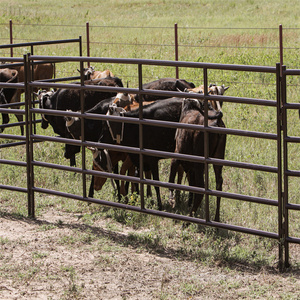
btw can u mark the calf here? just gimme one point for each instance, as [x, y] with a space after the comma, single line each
[91, 74]
[165, 84]
[7, 94]
[213, 89]
[191, 142]
[64, 99]
[40, 72]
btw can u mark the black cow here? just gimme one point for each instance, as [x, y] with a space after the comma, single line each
[191, 142]
[7, 94]
[165, 84]
[92, 131]
[154, 137]
[69, 99]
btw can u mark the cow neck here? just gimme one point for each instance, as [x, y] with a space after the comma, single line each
[117, 111]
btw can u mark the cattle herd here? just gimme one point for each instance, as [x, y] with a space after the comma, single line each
[176, 109]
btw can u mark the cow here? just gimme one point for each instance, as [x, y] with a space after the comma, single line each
[7, 94]
[91, 74]
[64, 99]
[154, 137]
[40, 72]
[124, 101]
[213, 89]
[191, 142]
[165, 84]
[92, 130]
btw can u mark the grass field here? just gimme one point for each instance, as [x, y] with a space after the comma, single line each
[229, 32]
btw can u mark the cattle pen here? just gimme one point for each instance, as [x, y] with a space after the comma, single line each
[281, 170]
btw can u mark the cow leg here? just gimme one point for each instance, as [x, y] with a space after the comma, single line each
[5, 120]
[219, 184]
[117, 182]
[91, 190]
[148, 176]
[180, 173]
[219, 153]
[72, 161]
[17, 98]
[20, 119]
[126, 166]
[155, 175]
[197, 180]
[173, 170]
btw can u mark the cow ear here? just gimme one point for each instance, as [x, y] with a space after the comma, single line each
[93, 149]
[225, 88]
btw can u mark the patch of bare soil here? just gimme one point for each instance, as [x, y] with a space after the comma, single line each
[59, 257]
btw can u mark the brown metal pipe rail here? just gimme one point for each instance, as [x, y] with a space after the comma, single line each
[160, 213]
[18, 45]
[142, 151]
[171, 63]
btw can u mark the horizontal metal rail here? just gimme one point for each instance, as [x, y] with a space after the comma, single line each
[13, 188]
[171, 63]
[18, 45]
[160, 213]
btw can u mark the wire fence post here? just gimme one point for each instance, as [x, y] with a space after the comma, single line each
[88, 40]
[176, 48]
[280, 49]
[11, 38]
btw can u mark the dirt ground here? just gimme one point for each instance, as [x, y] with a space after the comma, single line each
[57, 256]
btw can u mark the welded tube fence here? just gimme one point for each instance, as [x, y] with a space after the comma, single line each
[281, 170]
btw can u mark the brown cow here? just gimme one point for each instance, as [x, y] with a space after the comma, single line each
[191, 142]
[7, 94]
[91, 74]
[40, 72]
[213, 89]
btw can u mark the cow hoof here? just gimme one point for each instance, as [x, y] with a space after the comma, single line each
[185, 225]
[172, 202]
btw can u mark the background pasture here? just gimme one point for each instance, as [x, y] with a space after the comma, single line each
[230, 32]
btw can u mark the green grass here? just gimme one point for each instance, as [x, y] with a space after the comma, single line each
[234, 32]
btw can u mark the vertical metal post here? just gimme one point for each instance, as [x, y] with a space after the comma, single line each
[80, 45]
[285, 169]
[206, 145]
[279, 166]
[32, 78]
[141, 142]
[176, 49]
[88, 40]
[11, 38]
[83, 153]
[280, 49]
[29, 142]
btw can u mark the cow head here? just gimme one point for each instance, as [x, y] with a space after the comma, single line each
[87, 72]
[44, 98]
[196, 104]
[217, 89]
[123, 99]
